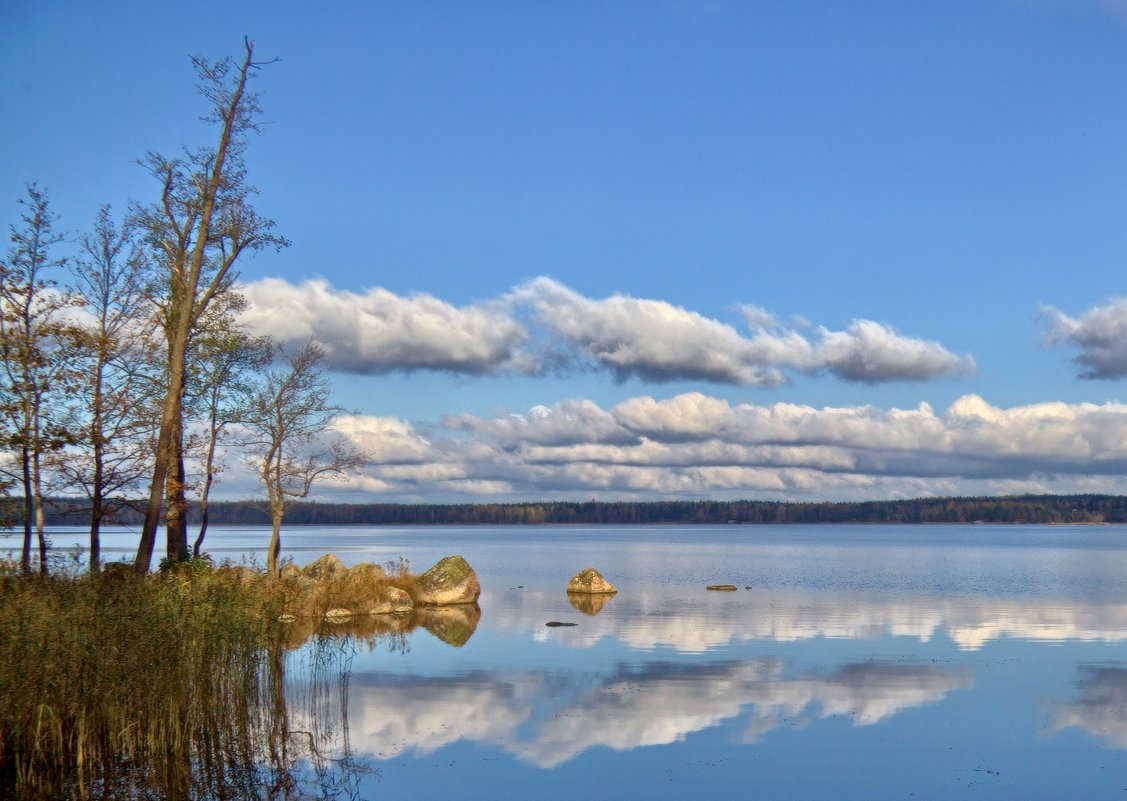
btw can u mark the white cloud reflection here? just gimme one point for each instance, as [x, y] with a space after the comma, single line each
[658, 705]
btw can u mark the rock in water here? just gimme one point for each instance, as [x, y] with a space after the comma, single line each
[591, 581]
[392, 600]
[450, 581]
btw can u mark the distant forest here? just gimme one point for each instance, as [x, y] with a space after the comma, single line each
[1010, 509]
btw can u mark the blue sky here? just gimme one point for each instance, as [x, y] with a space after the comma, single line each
[944, 172]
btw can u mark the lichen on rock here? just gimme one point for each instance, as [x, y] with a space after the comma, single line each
[327, 567]
[589, 580]
[450, 581]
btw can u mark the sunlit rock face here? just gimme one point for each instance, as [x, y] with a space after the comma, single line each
[391, 600]
[326, 568]
[450, 581]
[590, 581]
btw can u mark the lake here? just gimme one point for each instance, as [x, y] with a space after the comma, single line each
[876, 662]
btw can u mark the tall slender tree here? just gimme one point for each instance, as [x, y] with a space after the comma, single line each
[115, 410]
[224, 359]
[37, 351]
[197, 231]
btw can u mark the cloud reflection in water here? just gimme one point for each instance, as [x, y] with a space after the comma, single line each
[547, 720]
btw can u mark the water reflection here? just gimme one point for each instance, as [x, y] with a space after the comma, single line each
[589, 603]
[453, 625]
[692, 624]
[1101, 709]
[547, 719]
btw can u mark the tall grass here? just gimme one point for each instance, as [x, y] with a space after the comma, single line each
[131, 686]
[172, 685]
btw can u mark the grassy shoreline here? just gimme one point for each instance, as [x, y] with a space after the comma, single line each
[166, 685]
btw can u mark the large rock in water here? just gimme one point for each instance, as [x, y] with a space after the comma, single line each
[590, 580]
[450, 581]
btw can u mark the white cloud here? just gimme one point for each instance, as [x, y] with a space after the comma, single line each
[1099, 335]
[378, 331]
[543, 326]
[694, 445]
[656, 340]
[871, 353]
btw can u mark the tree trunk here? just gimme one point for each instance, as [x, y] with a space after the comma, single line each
[40, 522]
[273, 555]
[97, 501]
[176, 516]
[209, 478]
[96, 543]
[25, 556]
[172, 412]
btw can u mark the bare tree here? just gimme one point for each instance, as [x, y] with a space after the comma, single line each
[223, 357]
[201, 225]
[290, 430]
[116, 409]
[37, 351]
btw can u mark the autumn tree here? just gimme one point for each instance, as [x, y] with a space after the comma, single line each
[115, 408]
[224, 360]
[290, 432]
[197, 230]
[37, 351]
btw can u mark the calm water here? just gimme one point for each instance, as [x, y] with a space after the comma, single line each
[863, 662]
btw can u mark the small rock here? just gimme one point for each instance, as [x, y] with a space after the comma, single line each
[286, 617]
[590, 580]
[557, 624]
[392, 600]
[290, 572]
[722, 587]
[337, 615]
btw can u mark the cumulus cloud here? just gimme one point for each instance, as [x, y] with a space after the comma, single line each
[1099, 336]
[656, 340]
[871, 353]
[377, 331]
[695, 445]
[543, 326]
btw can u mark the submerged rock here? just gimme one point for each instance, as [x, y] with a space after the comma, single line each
[722, 587]
[591, 582]
[327, 567]
[450, 581]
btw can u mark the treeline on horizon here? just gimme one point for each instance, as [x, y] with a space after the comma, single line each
[1090, 509]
